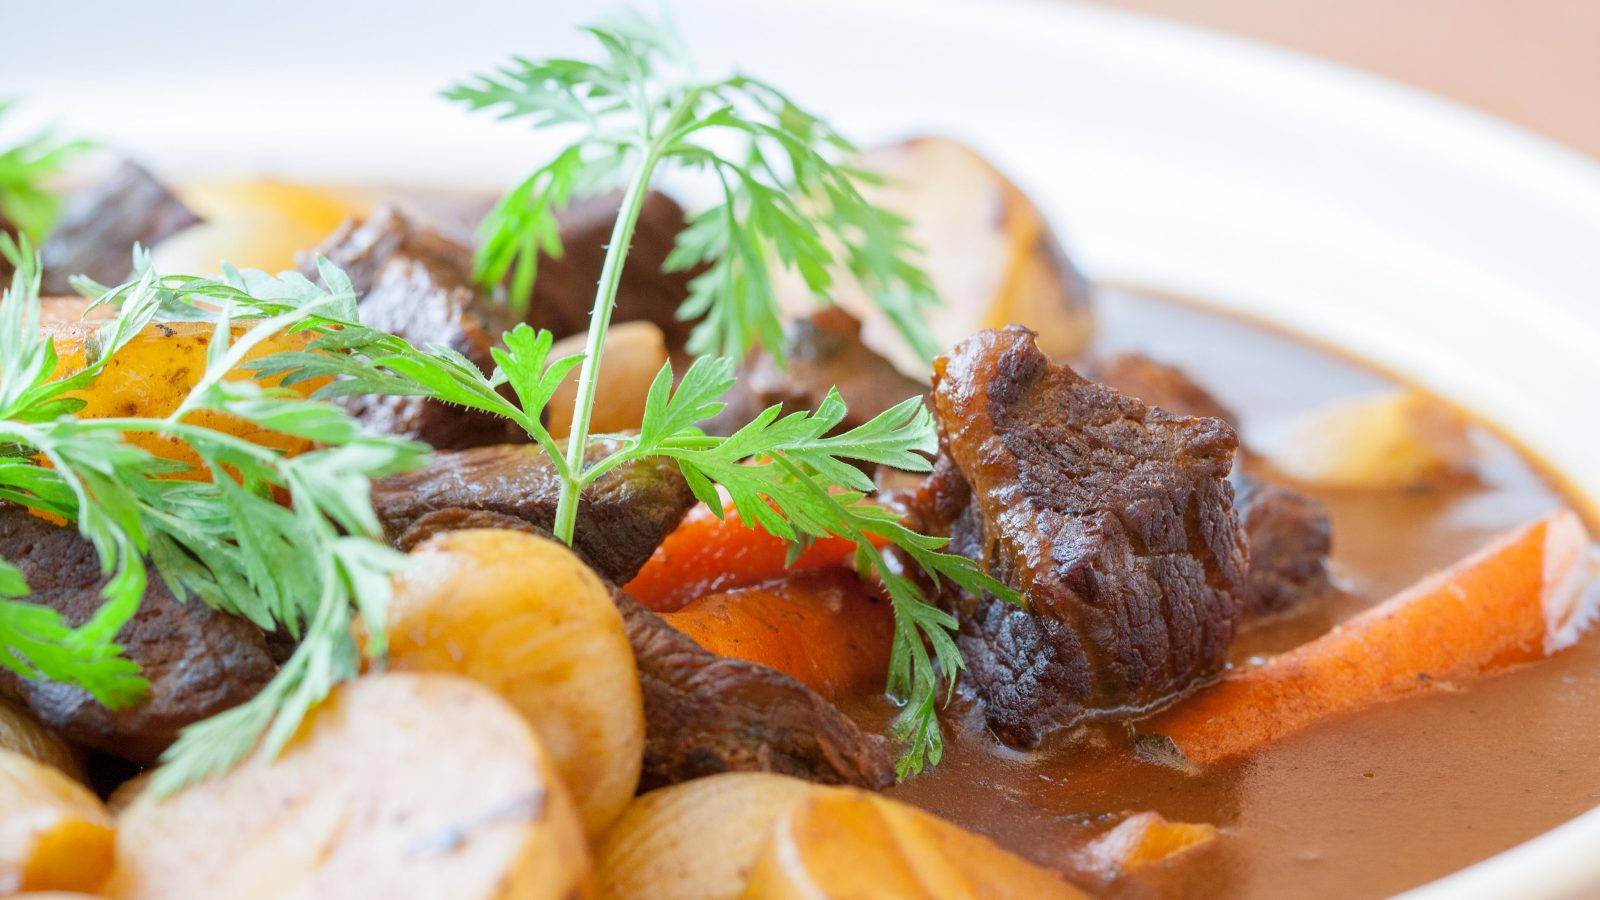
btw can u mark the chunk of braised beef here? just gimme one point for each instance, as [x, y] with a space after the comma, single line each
[1112, 518]
[198, 661]
[100, 224]
[706, 714]
[563, 294]
[1289, 533]
[622, 516]
[364, 246]
[1290, 537]
[1158, 384]
[417, 284]
[822, 351]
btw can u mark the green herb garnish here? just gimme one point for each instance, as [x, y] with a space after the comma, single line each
[303, 567]
[786, 199]
[785, 202]
[26, 200]
[306, 566]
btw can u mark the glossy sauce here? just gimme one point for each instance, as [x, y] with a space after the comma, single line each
[1366, 805]
[1363, 806]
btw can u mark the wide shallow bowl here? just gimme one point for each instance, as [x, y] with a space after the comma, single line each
[1435, 242]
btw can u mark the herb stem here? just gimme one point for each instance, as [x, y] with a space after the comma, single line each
[605, 301]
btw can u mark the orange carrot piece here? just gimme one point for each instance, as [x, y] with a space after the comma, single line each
[1519, 599]
[706, 554]
[824, 627]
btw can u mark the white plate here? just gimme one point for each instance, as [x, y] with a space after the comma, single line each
[1439, 243]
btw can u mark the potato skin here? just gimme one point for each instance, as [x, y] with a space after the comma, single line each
[694, 840]
[1395, 439]
[254, 223]
[397, 785]
[54, 834]
[152, 373]
[989, 250]
[523, 616]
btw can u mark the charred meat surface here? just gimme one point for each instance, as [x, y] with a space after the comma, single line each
[622, 516]
[822, 351]
[417, 284]
[1112, 518]
[1158, 384]
[198, 661]
[563, 294]
[100, 225]
[1289, 533]
[1290, 537]
[706, 714]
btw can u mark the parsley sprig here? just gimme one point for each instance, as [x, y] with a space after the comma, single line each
[305, 566]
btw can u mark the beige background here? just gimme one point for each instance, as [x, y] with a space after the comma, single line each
[1534, 62]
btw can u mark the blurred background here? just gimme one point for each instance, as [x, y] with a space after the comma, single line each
[1534, 62]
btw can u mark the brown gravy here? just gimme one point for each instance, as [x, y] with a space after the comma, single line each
[1363, 806]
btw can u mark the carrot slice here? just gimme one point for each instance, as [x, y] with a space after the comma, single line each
[706, 554]
[824, 627]
[1519, 599]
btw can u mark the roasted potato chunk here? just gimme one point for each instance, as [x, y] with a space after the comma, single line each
[256, 224]
[522, 615]
[151, 375]
[992, 256]
[841, 842]
[398, 785]
[54, 834]
[634, 353]
[693, 840]
[1399, 438]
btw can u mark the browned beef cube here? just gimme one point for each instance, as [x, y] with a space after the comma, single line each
[1290, 538]
[563, 294]
[1289, 533]
[198, 661]
[1158, 384]
[822, 351]
[100, 224]
[417, 284]
[706, 714]
[622, 516]
[1112, 518]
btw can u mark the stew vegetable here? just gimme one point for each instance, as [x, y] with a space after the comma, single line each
[836, 538]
